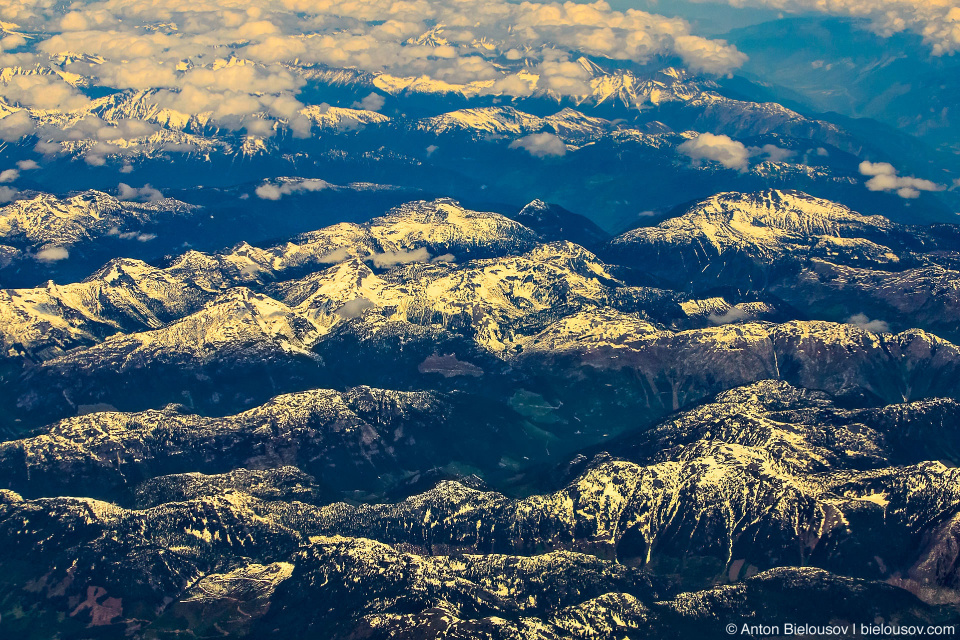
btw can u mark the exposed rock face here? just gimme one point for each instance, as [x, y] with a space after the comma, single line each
[816, 255]
[46, 221]
[445, 423]
[360, 439]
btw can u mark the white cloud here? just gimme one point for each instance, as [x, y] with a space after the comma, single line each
[41, 92]
[16, 125]
[875, 326]
[12, 41]
[337, 255]
[27, 165]
[772, 152]
[709, 56]
[270, 191]
[373, 102]
[146, 193]
[9, 175]
[731, 153]
[131, 235]
[938, 21]
[885, 178]
[389, 259]
[52, 254]
[7, 194]
[354, 308]
[540, 145]
[732, 315]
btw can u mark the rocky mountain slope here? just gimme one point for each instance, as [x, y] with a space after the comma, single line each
[44, 222]
[453, 423]
[811, 253]
[754, 481]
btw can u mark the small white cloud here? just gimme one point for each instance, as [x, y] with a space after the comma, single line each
[884, 177]
[94, 160]
[127, 168]
[874, 326]
[7, 194]
[9, 175]
[773, 153]
[733, 314]
[354, 308]
[27, 165]
[48, 147]
[431, 150]
[877, 169]
[270, 191]
[731, 153]
[540, 145]
[373, 102]
[708, 56]
[445, 258]
[337, 255]
[393, 258]
[145, 193]
[52, 254]
[132, 235]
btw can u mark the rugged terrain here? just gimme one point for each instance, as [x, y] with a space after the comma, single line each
[453, 423]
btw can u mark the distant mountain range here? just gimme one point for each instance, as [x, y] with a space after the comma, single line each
[613, 153]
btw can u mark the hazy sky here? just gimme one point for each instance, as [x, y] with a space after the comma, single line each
[706, 18]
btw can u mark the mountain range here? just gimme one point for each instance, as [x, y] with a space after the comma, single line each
[265, 428]
[284, 354]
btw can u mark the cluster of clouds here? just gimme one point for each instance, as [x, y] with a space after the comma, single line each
[884, 177]
[101, 137]
[239, 62]
[938, 21]
[8, 194]
[730, 153]
[733, 154]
